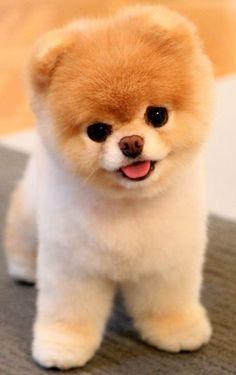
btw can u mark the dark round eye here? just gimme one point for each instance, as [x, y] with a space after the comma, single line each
[156, 116]
[99, 132]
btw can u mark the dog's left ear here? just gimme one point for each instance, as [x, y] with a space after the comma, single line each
[46, 56]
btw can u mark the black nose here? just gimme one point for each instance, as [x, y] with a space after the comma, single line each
[131, 146]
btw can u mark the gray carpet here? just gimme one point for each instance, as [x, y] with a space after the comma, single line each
[122, 352]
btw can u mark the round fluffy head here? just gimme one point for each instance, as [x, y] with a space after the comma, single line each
[125, 101]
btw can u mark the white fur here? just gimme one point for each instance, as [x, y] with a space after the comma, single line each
[154, 247]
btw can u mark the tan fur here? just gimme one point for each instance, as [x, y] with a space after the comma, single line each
[145, 63]
[80, 328]
[47, 55]
[171, 325]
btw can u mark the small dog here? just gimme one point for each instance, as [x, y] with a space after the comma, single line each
[114, 193]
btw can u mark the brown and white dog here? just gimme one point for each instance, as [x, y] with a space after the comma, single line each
[114, 193]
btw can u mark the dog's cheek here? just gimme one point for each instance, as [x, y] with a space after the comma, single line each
[154, 147]
[80, 154]
[81, 157]
[186, 133]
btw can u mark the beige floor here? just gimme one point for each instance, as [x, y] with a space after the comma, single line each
[22, 21]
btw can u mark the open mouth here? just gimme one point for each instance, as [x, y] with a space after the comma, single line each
[138, 171]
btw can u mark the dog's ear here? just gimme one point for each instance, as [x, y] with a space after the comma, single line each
[163, 24]
[46, 56]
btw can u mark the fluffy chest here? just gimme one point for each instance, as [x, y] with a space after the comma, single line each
[117, 241]
[119, 238]
[121, 227]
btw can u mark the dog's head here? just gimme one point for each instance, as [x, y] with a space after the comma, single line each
[125, 101]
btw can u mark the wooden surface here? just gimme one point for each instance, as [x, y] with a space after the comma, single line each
[22, 21]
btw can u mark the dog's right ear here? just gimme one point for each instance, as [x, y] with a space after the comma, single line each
[46, 56]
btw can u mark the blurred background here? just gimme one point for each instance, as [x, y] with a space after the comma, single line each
[23, 21]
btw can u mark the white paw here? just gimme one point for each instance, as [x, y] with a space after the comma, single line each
[175, 332]
[61, 347]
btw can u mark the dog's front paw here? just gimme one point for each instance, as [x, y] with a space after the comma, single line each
[173, 332]
[64, 346]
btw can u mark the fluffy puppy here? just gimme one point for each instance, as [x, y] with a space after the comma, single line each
[115, 190]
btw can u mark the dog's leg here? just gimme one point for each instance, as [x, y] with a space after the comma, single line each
[20, 233]
[72, 312]
[167, 311]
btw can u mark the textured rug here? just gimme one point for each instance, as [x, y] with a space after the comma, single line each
[122, 352]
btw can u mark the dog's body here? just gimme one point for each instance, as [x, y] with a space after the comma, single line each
[99, 219]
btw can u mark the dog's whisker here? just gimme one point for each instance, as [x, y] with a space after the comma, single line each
[90, 177]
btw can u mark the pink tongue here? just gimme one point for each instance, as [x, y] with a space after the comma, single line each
[137, 170]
